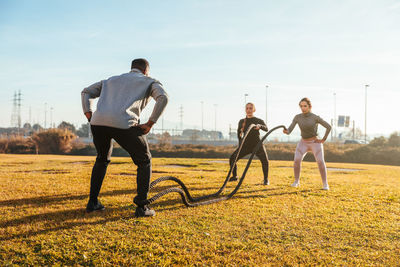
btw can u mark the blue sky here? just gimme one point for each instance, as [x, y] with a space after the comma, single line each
[211, 51]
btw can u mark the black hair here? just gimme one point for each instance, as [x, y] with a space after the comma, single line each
[140, 63]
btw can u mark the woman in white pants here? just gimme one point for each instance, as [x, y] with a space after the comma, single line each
[308, 123]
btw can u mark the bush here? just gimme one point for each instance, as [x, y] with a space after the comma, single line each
[394, 139]
[17, 145]
[378, 141]
[81, 149]
[53, 141]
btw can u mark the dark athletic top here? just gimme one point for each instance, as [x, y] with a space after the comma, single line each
[254, 135]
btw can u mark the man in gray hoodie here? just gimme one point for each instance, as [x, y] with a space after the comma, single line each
[121, 100]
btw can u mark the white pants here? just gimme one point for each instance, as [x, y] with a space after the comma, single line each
[318, 150]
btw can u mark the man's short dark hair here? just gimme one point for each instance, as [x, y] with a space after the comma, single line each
[140, 63]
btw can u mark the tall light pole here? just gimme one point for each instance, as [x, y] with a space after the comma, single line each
[266, 104]
[202, 115]
[334, 116]
[215, 121]
[30, 116]
[365, 129]
[51, 117]
[245, 98]
[45, 115]
[181, 116]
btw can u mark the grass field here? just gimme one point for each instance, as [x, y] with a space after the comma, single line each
[42, 218]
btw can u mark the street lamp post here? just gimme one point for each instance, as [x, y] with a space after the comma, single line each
[334, 116]
[245, 98]
[266, 104]
[202, 117]
[215, 121]
[51, 117]
[365, 123]
[45, 115]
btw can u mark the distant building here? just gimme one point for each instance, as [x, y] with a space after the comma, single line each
[193, 134]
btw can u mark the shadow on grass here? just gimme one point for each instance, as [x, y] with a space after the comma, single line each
[166, 204]
[245, 194]
[44, 200]
[67, 219]
[60, 218]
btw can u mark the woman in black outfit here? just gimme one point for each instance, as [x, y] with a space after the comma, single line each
[251, 141]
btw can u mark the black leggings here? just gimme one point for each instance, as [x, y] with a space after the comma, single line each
[246, 150]
[134, 143]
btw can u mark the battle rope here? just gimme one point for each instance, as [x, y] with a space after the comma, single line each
[190, 201]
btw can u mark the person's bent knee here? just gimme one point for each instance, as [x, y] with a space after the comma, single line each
[102, 161]
[143, 162]
[297, 161]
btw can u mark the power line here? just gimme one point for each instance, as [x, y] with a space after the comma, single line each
[16, 112]
[19, 109]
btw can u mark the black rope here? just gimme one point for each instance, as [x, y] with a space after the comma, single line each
[190, 201]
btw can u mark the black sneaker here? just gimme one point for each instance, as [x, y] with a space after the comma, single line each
[233, 178]
[94, 206]
[144, 211]
[266, 182]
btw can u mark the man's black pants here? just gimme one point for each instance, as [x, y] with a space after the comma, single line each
[246, 150]
[135, 143]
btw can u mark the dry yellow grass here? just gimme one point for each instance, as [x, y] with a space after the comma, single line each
[42, 219]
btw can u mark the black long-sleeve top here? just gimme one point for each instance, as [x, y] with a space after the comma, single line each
[254, 135]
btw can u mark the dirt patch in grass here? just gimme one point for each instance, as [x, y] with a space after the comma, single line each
[343, 169]
[16, 164]
[127, 173]
[219, 161]
[202, 170]
[166, 172]
[79, 162]
[178, 166]
[119, 162]
[45, 171]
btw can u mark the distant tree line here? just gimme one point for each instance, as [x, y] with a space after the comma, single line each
[63, 140]
[28, 129]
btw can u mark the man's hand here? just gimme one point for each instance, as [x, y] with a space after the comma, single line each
[285, 131]
[258, 127]
[88, 115]
[146, 127]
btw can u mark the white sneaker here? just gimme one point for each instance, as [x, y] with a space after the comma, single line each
[295, 184]
[325, 187]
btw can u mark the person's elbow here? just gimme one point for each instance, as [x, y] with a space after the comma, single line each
[164, 99]
[84, 96]
[86, 93]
